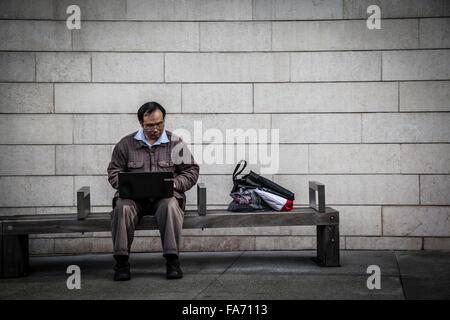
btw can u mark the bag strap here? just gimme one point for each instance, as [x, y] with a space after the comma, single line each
[235, 173]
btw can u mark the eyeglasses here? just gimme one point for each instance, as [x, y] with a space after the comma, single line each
[158, 125]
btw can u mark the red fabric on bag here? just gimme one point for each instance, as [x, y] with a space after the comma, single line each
[288, 206]
[275, 201]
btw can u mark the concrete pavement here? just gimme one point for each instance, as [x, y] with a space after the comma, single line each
[271, 275]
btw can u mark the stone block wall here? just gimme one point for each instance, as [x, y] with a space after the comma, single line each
[364, 111]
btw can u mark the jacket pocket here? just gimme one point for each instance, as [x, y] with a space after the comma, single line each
[135, 165]
[166, 165]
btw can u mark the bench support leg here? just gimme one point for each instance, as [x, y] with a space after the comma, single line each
[328, 246]
[14, 256]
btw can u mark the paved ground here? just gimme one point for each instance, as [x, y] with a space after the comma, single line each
[240, 275]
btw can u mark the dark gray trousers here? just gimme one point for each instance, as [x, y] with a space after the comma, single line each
[126, 217]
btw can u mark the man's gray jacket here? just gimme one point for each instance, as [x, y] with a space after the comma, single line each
[135, 156]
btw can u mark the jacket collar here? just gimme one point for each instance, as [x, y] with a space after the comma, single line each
[140, 137]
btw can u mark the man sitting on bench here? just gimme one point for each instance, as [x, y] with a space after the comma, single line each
[150, 149]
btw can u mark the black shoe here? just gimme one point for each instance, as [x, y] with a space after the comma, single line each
[173, 270]
[122, 269]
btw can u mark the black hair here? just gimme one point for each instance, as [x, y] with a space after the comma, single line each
[149, 107]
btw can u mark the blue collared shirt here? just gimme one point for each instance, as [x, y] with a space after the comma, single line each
[162, 138]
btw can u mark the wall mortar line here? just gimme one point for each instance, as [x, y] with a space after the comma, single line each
[418, 33]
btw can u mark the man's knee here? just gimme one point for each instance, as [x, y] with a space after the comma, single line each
[171, 203]
[169, 206]
[125, 208]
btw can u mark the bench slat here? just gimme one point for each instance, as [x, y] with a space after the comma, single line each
[69, 216]
[261, 220]
[97, 222]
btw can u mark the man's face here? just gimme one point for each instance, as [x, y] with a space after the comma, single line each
[153, 125]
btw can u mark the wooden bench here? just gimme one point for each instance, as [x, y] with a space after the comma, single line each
[14, 230]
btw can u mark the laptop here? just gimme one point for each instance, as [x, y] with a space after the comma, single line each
[145, 185]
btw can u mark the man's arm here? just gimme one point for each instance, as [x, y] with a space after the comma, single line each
[118, 164]
[188, 171]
